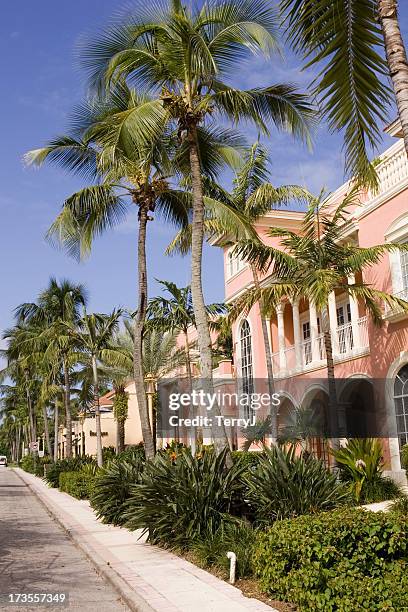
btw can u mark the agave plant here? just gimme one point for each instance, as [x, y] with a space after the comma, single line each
[285, 485]
[182, 498]
[112, 488]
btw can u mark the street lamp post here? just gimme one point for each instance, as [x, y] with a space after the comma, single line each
[150, 386]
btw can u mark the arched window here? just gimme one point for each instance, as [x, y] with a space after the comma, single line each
[401, 404]
[247, 373]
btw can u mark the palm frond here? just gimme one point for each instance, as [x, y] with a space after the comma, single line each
[343, 38]
[84, 216]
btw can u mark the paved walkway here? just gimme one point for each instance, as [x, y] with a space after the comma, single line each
[148, 577]
[36, 556]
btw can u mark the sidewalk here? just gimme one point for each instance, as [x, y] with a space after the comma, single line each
[148, 578]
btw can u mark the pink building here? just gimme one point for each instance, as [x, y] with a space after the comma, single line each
[378, 357]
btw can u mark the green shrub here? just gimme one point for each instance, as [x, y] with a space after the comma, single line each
[348, 559]
[234, 535]
[286, 485]
[78, 484]
[108, 453]
[380, 488]
[27, 463]
[181, 499]
[112, 488]
[400, 506]
[66, 465]
[131, 452]
[250, 459]
[404, 457]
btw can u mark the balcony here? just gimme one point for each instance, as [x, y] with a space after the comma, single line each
[392, 172]
[395, 313]
[349, 341]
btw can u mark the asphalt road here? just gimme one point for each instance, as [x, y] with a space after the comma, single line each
[36, 556]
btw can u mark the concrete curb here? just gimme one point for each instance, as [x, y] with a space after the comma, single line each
[133, 600]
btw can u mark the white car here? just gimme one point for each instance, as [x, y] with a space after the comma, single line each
[3, 460]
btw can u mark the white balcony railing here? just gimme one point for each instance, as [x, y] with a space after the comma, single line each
[396, 313]
[392, 169]
[350, 341]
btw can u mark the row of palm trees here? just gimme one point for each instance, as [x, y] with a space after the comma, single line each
[155, 117]
[60, 356]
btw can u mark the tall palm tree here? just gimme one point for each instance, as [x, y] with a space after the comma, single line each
[185, 53]
[130, 171]
[21, 369]
[60, 302]
[175, 313]
[315, 262]
[93, 336]
[230, 217]
[344, 39]
[160, 356]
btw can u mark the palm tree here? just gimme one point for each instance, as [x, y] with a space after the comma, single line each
[21, 369]
[231, 217]
[160, 356]
[314, 263]
[184, 54]
[60, 302]
[176, 314]
[343, 38]
[92, 336]
[103, 144]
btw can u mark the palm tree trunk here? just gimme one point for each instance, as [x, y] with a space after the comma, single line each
[18, 442]
[120, 424]
[268, 358]
[46, 430]
[31, 415]
[396, 58]
[67, 407]
[138, 340]
[200, 313]
[97, 413]
[56, 428]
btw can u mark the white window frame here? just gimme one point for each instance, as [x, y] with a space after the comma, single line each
[398, 232]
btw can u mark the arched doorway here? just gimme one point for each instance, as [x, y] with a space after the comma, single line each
[357, 402]
[401, 404]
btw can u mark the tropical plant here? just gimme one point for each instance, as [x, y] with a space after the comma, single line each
[301, 426]
[160, 355]
[286, 485]
[93, 337]
[257, 433]
[344, 38]
[113, 486]
[60, 302]
[313, 263]
[361, 462]
[175, 313]
[182, 498]
[185, 53]
[230, 217]
[129, 170]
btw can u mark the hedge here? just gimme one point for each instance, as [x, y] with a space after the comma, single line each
[74, 464]
[347, 560]
[77, 484]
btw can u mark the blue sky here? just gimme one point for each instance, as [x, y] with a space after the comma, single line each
[41, 82]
